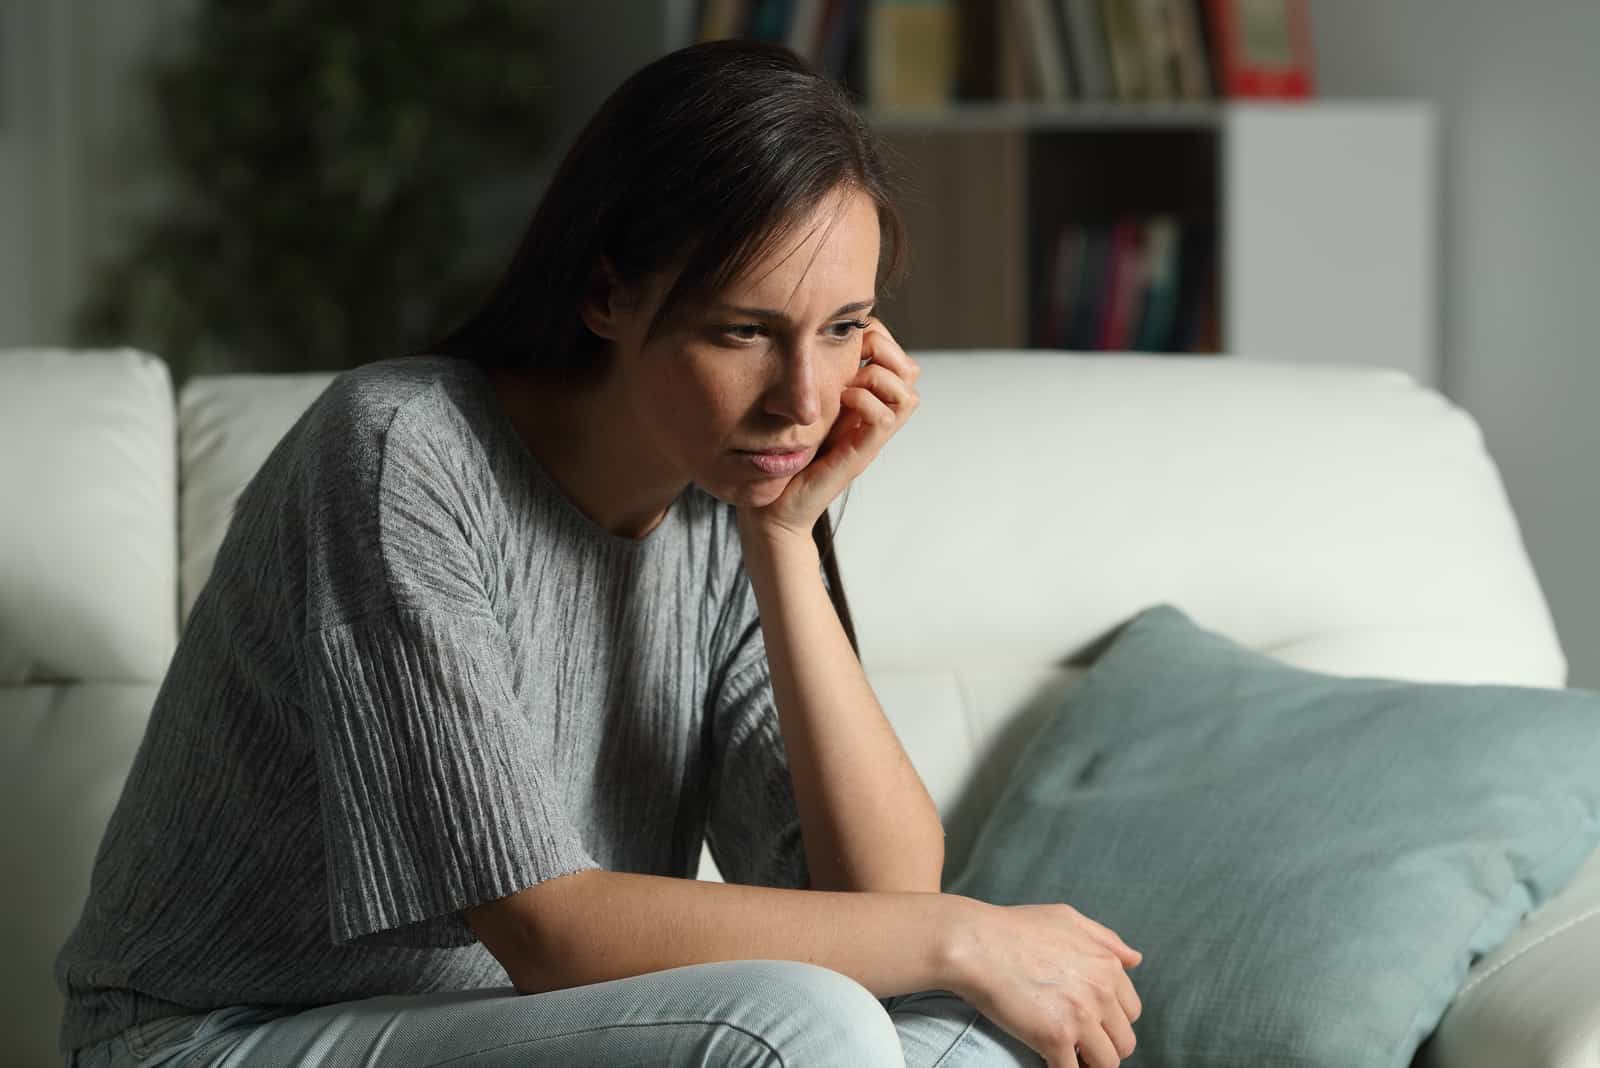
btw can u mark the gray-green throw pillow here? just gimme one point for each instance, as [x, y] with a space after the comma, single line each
[1309, 863]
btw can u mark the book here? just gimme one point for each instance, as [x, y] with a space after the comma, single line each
[1194, 329]
[1091, 60]
[805, 29]
[977, 51]
[1048, 60]
[1128, 68]
[1194, 68]
[1122, 292]
[1062, 292]
[1154, 332]
[911, 49]
[721, 18]
[1208, 41]
[1012, 63]
[767, 20]
[1262, 48]
[841, 30]
[1069, 63]
[1083, 334]
[1157, 48]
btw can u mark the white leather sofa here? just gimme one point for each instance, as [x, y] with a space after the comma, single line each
[1341, 518]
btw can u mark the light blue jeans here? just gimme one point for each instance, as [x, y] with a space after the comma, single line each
[747, 1013]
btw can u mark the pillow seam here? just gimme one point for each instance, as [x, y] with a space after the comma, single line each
[1582, 917]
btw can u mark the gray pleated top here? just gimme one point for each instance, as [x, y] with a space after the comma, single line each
[419, 678]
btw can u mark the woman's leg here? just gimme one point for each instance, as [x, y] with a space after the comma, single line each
[755, 1013]
[939, 1030]
[782, 1014]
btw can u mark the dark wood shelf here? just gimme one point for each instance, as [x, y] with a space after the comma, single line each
[985, 200]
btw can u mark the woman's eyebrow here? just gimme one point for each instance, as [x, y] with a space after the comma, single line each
[769, 313]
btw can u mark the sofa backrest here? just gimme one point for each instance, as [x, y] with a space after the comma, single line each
[1342, 518]
[88, 547]
[227, 424]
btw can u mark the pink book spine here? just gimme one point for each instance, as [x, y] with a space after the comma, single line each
[1115, 320]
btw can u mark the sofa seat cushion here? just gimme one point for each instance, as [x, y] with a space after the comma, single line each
[65, 752]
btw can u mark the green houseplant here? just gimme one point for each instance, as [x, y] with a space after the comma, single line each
[327, 161]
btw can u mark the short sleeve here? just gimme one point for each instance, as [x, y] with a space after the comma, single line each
[753, 823]
[434, 789]
[432, 792]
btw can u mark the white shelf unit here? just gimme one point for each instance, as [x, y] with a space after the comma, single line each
[1330, 217]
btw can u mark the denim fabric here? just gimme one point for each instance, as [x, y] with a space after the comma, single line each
[748, 1013]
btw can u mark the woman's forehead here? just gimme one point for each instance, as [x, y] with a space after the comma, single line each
[833, 251]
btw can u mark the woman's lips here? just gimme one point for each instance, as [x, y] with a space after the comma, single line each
[776, 463]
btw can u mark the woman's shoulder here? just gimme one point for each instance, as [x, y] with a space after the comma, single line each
[370, 419]
[376, 393]
[377, 431]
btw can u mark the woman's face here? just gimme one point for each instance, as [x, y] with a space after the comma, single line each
[764, 366]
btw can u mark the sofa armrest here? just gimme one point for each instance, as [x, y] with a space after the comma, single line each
[1535, 1001]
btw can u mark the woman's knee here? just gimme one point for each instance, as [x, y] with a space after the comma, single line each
[815, 1016]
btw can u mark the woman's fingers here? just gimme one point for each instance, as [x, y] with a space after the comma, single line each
[1095, 1049]
[1128, 998]
[1117, 1025]
[888, 387]
[880, 401]
[876, 416]
[882, 392]
[880, 347]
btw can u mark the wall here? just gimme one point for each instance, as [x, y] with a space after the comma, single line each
[1517, 87]
[600, 43]
[77, 148]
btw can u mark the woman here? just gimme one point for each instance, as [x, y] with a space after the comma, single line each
[501, 631]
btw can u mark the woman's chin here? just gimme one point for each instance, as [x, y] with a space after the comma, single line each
[756, 493]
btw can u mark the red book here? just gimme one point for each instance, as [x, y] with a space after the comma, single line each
[1262, 48]
[1123, 291]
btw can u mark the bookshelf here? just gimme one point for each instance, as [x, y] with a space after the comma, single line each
[1318, 216]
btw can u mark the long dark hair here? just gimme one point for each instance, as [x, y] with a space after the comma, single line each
[710, 156]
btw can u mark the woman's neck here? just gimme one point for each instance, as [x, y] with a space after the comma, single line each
[589, 456]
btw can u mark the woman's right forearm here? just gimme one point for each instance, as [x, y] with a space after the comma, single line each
[598, 925]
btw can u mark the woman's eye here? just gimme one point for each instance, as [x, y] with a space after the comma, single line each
[743, 331]
[840, 331]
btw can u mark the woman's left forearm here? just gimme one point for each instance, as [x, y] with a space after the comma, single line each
[866, 817]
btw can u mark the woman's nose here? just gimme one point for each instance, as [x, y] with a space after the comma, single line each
[795, 395]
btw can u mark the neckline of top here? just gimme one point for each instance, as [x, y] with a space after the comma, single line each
[491, 402]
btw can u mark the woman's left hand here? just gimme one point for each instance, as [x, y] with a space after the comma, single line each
[873, 406]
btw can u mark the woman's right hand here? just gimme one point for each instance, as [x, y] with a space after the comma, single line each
[1049, 975]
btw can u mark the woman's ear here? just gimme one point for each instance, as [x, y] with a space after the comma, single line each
[607, 304]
